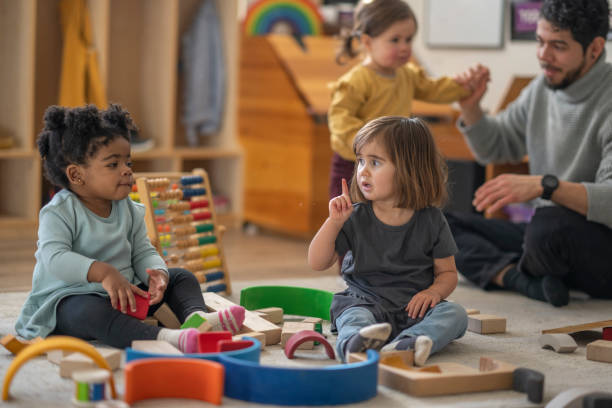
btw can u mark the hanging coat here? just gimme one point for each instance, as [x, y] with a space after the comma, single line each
[204, 74]
[80, 81]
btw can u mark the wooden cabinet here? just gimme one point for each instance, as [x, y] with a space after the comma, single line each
[283, 102]
[138, 44]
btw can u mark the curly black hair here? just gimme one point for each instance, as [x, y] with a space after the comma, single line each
[74, 135]
[585, 19]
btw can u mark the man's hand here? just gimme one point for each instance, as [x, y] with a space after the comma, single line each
[158, 282]
[340, 208]
[421, 302]
[506, 189]
[475, 80]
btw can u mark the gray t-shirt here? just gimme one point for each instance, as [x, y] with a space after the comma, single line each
[384, 265]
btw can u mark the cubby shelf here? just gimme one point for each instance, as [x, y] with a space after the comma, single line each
[138, 44]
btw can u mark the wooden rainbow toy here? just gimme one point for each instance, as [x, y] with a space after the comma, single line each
[301, 15]
[182, 225]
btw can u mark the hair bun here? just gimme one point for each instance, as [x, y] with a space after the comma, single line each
[83, 120]
[54, 118]
[118, 118]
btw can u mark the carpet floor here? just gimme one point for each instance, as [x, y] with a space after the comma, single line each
[38, 383]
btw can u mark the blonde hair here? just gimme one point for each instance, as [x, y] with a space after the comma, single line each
[420, 170]
[372, 17]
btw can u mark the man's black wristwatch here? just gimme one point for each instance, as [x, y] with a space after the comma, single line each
[549, 184]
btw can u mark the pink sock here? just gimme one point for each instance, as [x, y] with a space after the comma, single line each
[188, 341]
[229, 319]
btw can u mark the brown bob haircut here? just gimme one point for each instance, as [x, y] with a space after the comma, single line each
[372, 17]
[420, 170]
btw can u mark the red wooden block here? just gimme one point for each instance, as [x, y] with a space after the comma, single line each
[229, 345]
[142, 307]
[607, 333]
[207, 341]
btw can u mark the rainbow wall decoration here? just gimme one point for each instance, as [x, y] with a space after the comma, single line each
[301, 15]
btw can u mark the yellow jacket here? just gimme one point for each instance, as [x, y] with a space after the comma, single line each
[361, 95]
[80, 81]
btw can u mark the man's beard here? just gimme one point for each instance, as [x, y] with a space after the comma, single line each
[569, 78]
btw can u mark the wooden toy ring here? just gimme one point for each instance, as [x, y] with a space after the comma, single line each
[54, 343]
[307, 335]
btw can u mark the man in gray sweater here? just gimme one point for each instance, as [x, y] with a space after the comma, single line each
[563, 121]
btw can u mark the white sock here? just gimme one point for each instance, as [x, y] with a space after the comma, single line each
[186, 340]
[229, 319]
[422, 348]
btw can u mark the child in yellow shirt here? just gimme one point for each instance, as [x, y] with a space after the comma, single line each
[385, 83]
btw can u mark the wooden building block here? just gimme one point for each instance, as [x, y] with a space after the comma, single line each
[291, 328]
[55, 356]
[599, 350]
[606, 333]
[472, 311]
[271, 314]
[166, 316]
[444, 378]
[155, 346]
[486, 324]
[77, 361]
[252, 321]
[560, 342]
[259, 336]
[15, 345]
[151, 321]
[197, 322]
[579, 327]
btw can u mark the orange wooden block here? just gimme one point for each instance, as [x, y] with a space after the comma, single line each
[174, 378]
[14, 345]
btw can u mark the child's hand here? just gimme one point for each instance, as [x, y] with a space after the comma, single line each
[121, 291]
[421, 302]
[340, 208]
[474, 80]
[158, 282]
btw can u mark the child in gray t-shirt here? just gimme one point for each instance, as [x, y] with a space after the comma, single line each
[398, 251]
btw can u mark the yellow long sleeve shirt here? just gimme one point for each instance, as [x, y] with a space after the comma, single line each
[361, 95]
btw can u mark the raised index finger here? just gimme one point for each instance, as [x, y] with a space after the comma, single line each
[345, 190]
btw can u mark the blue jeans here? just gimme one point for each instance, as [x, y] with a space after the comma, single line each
[443, 323]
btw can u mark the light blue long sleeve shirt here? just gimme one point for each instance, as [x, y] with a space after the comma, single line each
[566, 132]
[70, 239]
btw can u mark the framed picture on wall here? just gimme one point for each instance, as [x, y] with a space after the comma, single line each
[464, 23]
[524, 19]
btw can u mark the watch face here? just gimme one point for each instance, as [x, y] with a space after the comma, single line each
[550, 182]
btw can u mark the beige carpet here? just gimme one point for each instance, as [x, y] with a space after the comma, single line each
[38, 383]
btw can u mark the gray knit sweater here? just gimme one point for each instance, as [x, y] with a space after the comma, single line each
[566, 132]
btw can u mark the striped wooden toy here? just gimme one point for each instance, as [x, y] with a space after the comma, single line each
[182, 225]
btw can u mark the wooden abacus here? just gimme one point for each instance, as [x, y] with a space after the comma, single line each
[182, 225]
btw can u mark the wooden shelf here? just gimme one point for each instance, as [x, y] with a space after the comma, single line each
[208, 152]
[138, 43]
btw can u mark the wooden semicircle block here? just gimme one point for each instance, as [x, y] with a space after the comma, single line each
[174, 378]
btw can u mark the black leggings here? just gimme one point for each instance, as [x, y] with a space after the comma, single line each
[91, 317]
[557, 242]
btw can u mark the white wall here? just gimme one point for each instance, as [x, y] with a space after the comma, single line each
[515, 58]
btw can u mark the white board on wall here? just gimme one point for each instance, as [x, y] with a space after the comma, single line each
[464, 23]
